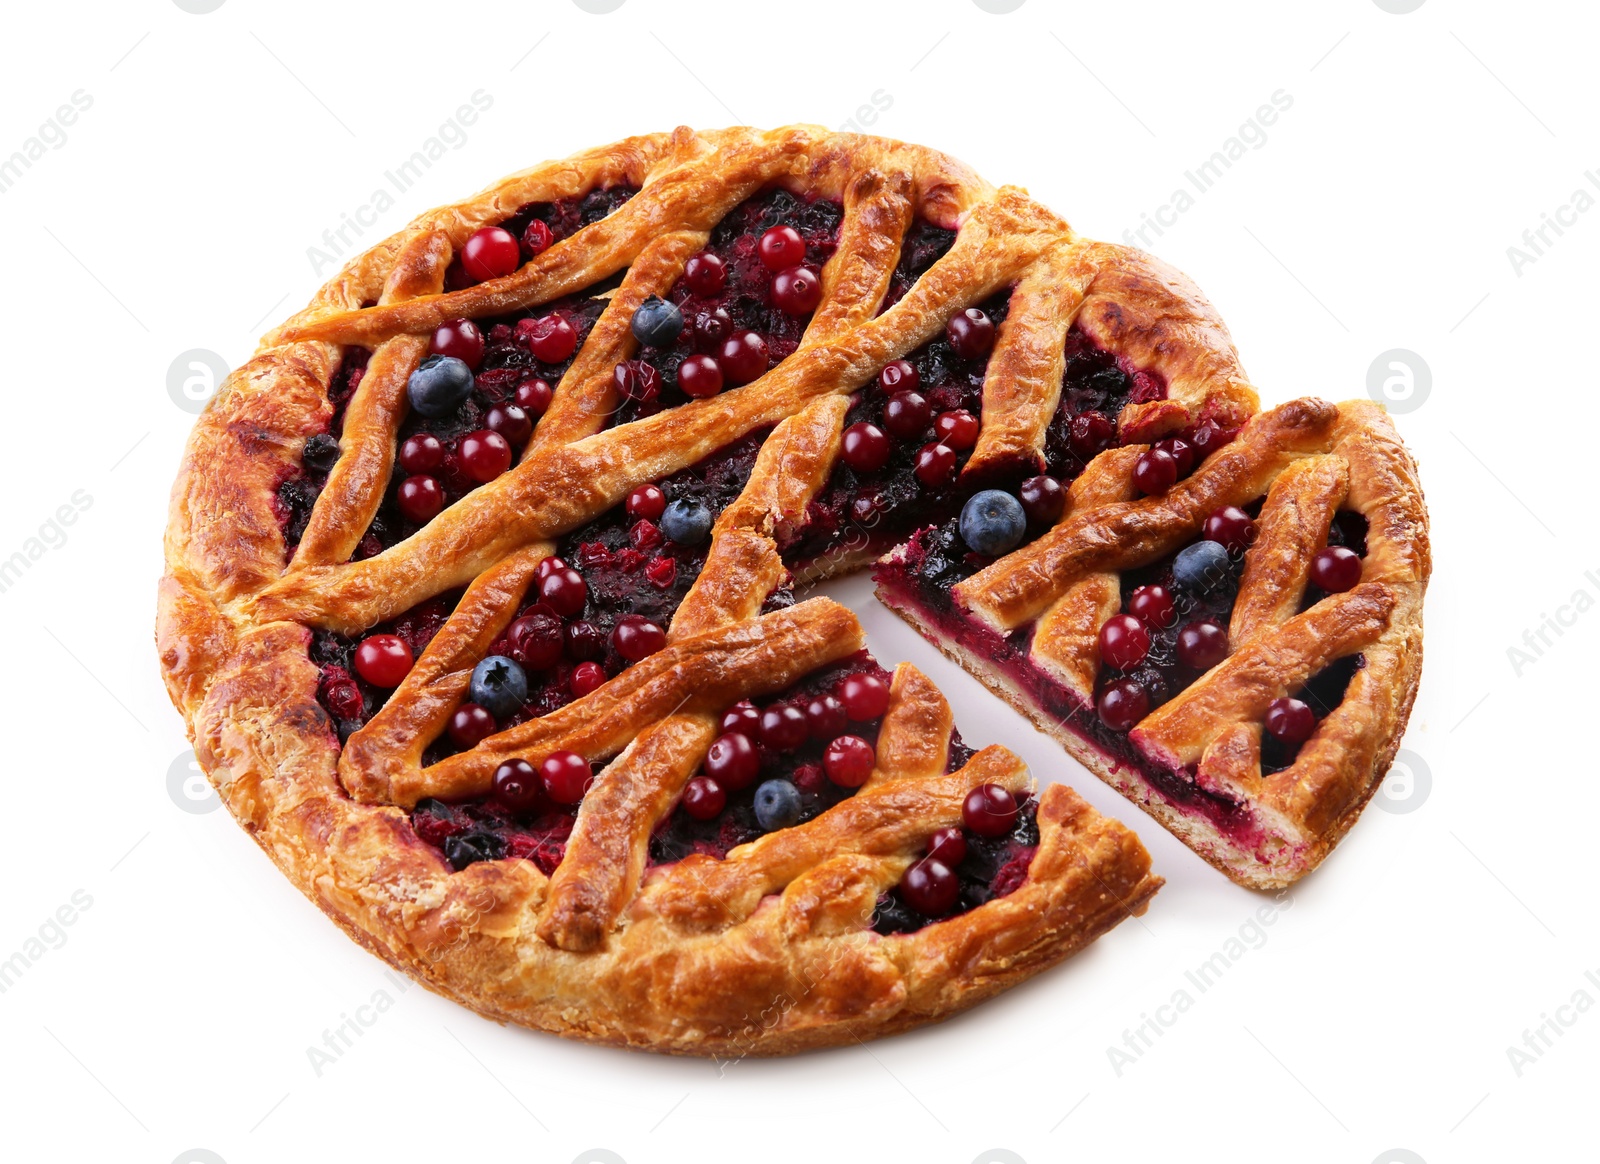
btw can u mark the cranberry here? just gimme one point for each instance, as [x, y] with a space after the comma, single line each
[1181, 451]
[421, 453]
[420, 499]
[645, 535]
[948, 845]
[343, 698]
[517, 787]
[1155, 472]
[1091, 433]
[511, 422]
[742, 357]
[930, 887]
[848, 761]
[865, 697]
[1124, 642]
[548, 566]
[383, 660]
[1232, 527]
[936, 465]
[906, 413]
[867, 509]
[825, 717]
[711, 328]
[484, 454]
[566, 776]
[1043, 500]
[647, 501]
[536, 638]
[1336, 569]
[865, 447]
[459, 338]
[550, 338]
[989, 810]
[1153, 606]
[534, 396]
[971, 334]
[1122, 704]
[491, 253]
[784, 727]
[585, 641]
[565, 591]
[636, 637]
[957, 429]
[1291, 720]
[1208, 437]
[796, 291]
[470, 725]
[703, 798]
[781, 247]
[700, 377]
[536, 239]
[1202, 645]
[586, 677]
[899, 376]
[732, 761]
[637, 380]
[743, 717]
[705, 274]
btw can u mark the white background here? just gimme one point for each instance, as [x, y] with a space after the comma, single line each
[1375, 1013]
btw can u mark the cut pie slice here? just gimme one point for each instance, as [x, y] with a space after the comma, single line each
[1235, 650]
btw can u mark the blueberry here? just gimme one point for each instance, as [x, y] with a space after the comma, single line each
[992, 523]
[473, 847]
[320, 453]
[1201, 567]
[657, 323]
[439, 386]
[499, 686]
[777, 805]
[686, 521]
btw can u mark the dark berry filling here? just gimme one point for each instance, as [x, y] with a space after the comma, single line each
[924, 244]
[344, 691]
[991, 867]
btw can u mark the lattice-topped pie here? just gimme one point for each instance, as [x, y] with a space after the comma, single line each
[481, 583]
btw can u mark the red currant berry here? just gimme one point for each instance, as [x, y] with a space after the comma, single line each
[1336, 569]
[1291, 720]
[420, 499]
[534, 396]
[848, 761]
[1153, 606]
[796, 291]
[957, 429]
[906, 413]
[1091, 433]
[781, 247]
[1043, 500]
[586, 677]
[971, 334]
[948, 845]
[742, 357]
[566, 776]
[470, 725]
[565, 591]
[1123, 704]
[989, 811]
[1232, 527]
[1202, 645]
[899, 376]
[536, 239]
[511, 422]
[1155, 472]
[703, 798]
[700, 377]
[784, 727]
[743, 717]
[636, 637]
[936, 465]
[705, 274]
[518, 788]
[536, 638]
[647, 502]
[865, 697]
[383, 660]
[825, 717]
[421, 453]
[550, 338]
[491, 253]
[1180, 451]
[1124, 642]
[484, 454]
[459, 338]
[930, 887]
[732, 761]
[865, 447]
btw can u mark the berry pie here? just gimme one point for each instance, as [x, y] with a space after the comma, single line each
[481, 590]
